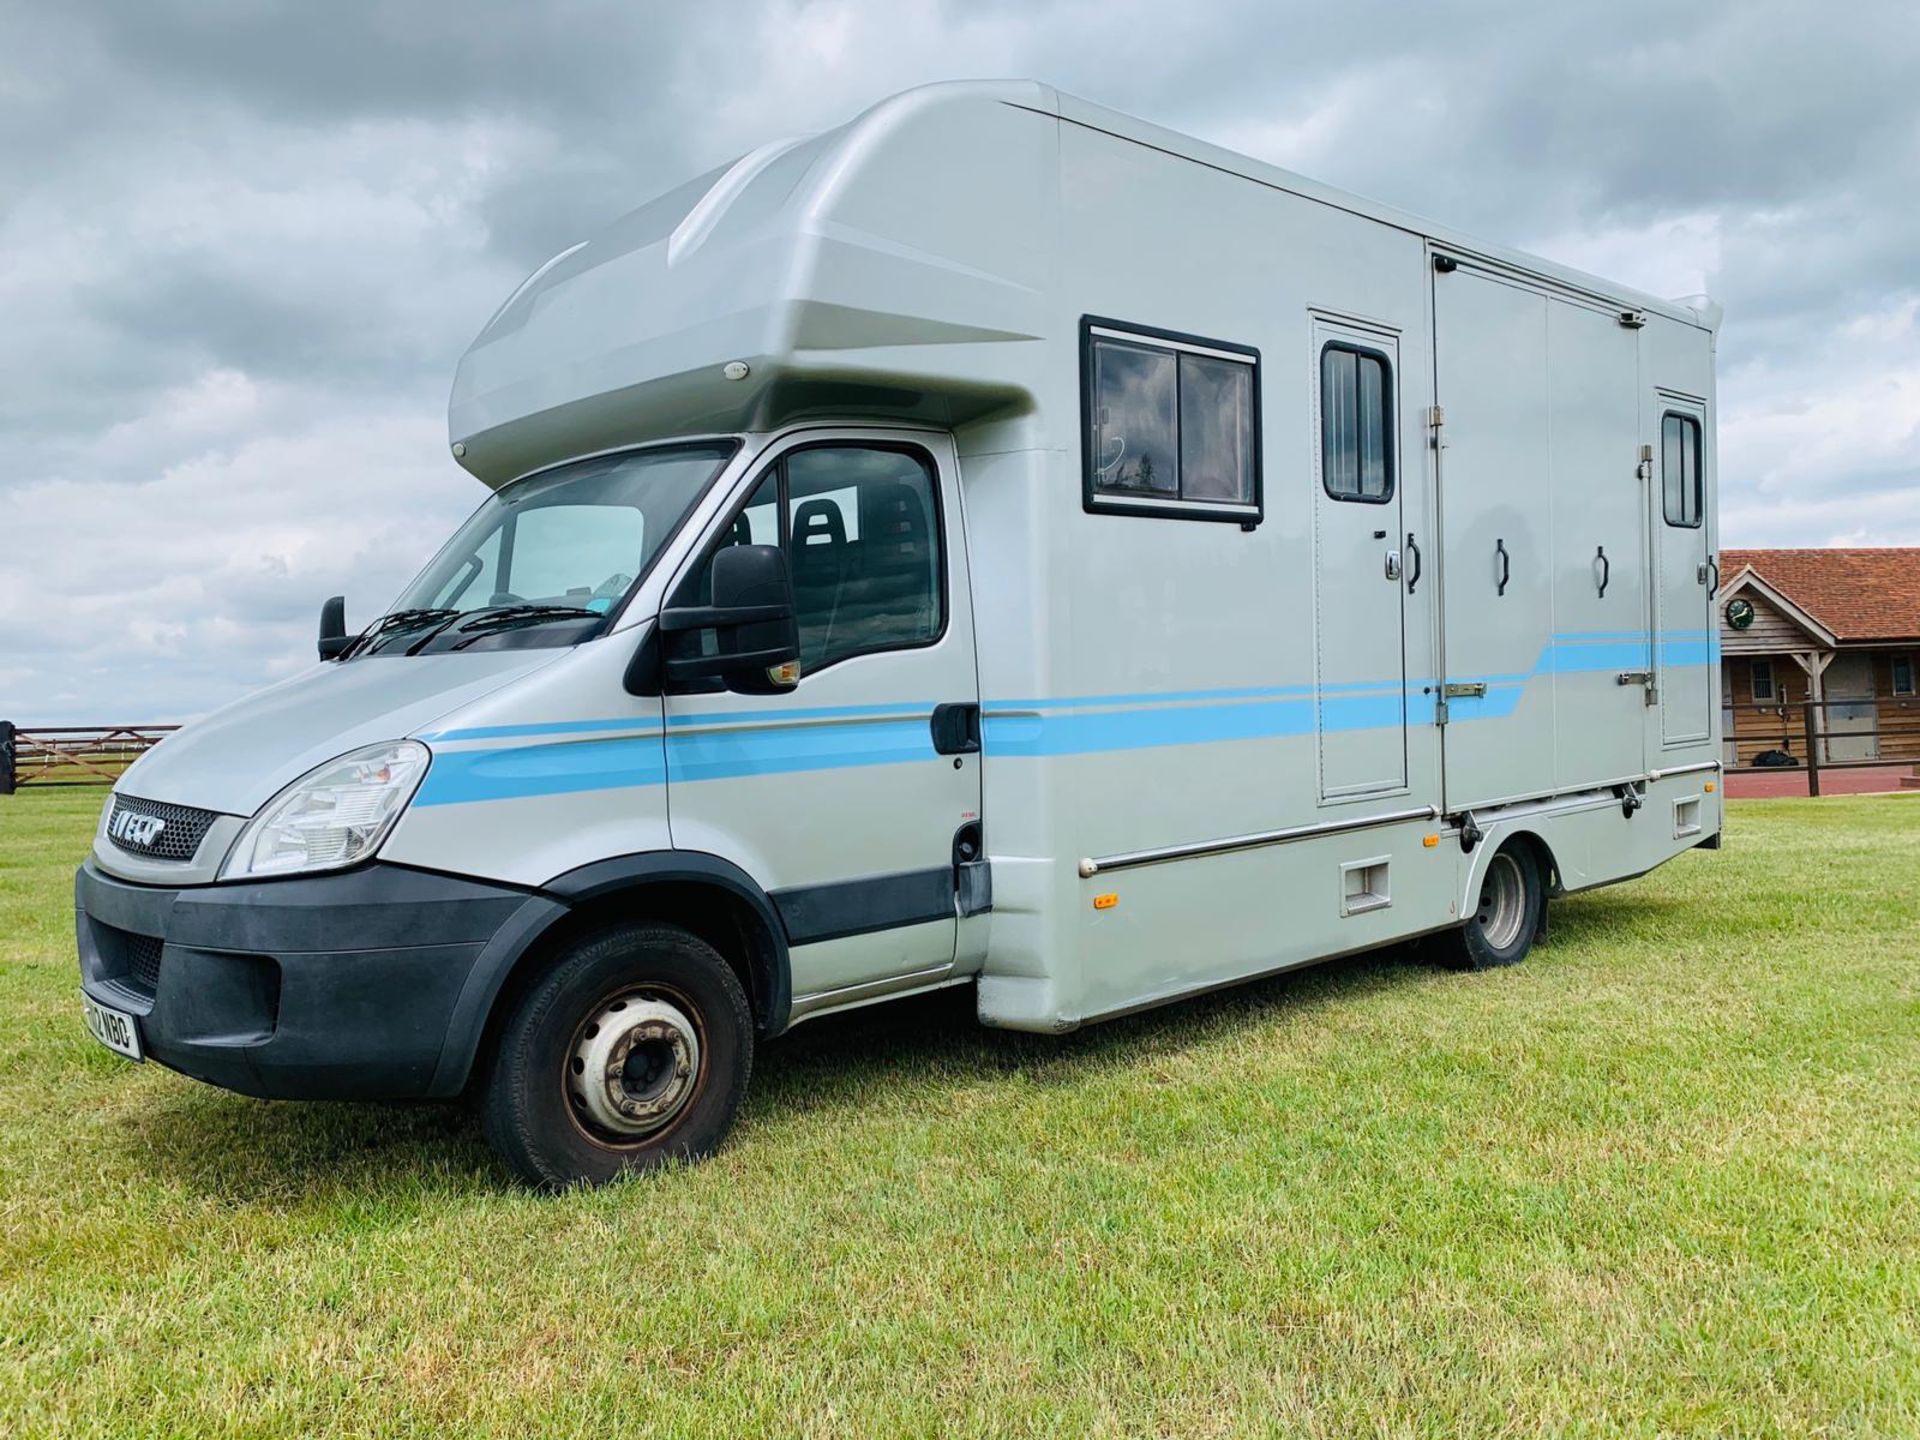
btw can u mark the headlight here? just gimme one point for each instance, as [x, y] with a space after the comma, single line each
[330, 817]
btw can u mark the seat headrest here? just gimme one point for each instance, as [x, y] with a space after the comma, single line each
[818, 523]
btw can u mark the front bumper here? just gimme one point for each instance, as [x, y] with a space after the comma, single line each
[368, 984]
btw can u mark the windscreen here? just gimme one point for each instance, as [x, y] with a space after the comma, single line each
[555, 553]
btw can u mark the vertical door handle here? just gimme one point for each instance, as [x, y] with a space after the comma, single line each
[956, 728]
[1506, 566]
[1606, 569]
[1413, 553]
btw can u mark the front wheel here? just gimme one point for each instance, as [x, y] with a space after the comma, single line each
[633, 1050]
[1513, 898]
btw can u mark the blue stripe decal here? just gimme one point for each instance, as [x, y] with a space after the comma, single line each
[738, 744]
[458, 777]
[731, 754]
[644, 725]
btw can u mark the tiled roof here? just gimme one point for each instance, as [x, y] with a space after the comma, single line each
[1856, 594]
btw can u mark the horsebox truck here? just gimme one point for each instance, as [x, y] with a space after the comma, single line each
[995, 543]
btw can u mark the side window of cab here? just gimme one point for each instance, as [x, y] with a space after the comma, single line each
[860, 525]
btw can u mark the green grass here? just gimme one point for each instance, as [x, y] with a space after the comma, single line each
[1663, 1178]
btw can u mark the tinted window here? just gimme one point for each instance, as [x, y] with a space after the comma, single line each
[1356, 424]
[1136, 434]
[1172, 426]
[861, 528]
[1681, 487]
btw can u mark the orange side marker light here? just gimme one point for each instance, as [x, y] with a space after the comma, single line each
[1105, 902]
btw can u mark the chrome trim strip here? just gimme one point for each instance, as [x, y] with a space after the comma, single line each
[1128, 860]
[804, 1005]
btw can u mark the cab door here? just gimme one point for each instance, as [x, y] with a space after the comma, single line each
[852, 797]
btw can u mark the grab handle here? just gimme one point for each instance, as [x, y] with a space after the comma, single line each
[1413, 551]
[1606, 569]
[1506, 566]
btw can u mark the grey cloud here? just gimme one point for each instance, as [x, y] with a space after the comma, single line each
[245, 242]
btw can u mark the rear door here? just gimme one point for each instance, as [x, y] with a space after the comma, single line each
[1359, 628]
[1490, 378]
[835, 796]
[1602, 611]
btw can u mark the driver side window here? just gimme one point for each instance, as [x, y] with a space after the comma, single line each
[861, 528]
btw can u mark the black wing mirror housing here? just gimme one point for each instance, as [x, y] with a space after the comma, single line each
[757, 649]
[333, 628]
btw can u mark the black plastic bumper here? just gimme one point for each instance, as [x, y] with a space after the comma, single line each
[369, 984]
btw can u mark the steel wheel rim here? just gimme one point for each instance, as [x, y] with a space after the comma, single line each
[636, 1064]
[1503, 902]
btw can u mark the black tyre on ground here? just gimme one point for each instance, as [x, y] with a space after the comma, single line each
[1513, 900]
[632, 1050]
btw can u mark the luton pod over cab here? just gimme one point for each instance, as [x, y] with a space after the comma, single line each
[994, 543]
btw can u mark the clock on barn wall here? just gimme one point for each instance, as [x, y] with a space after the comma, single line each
[1740, 613]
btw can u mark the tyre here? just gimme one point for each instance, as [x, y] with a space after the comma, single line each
[1513, 899]
[633, 1050]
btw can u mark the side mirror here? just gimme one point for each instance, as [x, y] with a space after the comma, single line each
[333, 628]
[752, 617]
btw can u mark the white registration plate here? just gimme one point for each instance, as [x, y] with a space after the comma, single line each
[114, 1029]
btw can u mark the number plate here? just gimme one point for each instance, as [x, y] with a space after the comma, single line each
[114, 1029]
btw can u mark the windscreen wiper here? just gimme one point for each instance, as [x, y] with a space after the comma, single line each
[399, 620]
[509, 617]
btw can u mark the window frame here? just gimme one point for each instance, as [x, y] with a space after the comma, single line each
[1893, 675]
[1772, 697]
[1390, 450]
[1686, 418]
[784, 506]
[1095, 501]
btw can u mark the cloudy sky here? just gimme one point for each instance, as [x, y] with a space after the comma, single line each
[242, 244]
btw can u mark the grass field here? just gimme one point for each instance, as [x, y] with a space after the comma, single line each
[1662, 1179]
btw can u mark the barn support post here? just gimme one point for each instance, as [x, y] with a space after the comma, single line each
[1809, 710]
[6, 757]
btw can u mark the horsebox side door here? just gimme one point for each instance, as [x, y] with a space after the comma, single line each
[1359, 555]
[1683, 572]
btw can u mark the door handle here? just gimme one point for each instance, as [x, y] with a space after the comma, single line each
[1413, 552]
[956, 728]
[1393, 564]
[1710, 565]
[1606, 569]
[1506, 566]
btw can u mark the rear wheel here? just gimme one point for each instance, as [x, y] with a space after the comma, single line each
[1513, 897]
[633, 1050]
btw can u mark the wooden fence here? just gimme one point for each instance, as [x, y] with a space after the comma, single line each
[72, 754]
[1807, 737]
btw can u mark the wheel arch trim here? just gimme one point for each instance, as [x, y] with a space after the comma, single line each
[564, 896]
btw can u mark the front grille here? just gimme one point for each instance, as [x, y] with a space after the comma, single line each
[180, 828]
[143, 961]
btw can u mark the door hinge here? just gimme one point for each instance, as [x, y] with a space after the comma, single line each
[1436, 417]
[1634, 677]
[1439, 709]
[1464, 690]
